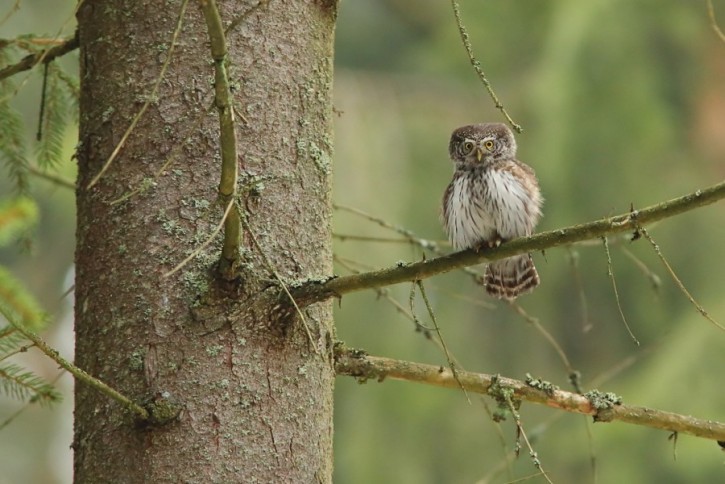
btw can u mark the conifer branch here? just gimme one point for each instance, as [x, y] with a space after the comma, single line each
[12, 138]
[54, 109]
[25, 385]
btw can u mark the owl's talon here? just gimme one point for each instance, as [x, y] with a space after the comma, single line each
[494, 242]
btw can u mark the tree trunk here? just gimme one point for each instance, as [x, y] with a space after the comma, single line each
[254, 392]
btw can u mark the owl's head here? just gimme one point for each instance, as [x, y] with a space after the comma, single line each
[482, 144]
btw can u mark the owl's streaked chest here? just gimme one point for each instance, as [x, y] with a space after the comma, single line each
[481, 204]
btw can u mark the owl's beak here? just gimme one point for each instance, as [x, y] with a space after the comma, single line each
[479, 154]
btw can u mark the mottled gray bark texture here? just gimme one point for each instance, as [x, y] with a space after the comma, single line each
[255, 394]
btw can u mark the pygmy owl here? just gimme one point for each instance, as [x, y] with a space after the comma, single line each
[492, 198]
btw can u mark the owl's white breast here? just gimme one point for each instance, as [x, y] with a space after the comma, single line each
[483, 203]
[469, 221]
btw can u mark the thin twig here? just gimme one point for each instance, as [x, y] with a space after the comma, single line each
[383, 292]
[615, 240]
[429, 245]
[19, 349]
[508, 456]
[408, 234]
[476, 301]
[241, 18]
[43, 96]
[610, 273]
[592, 452]
[677, 280]
[520, 431]
[374, 368]
[574, 260]
[673, 438]
[713, 21]
[411, 309]
[175, 151]
[449, 358]
[654, 279]
[547, 336]
[27, 43]
[78, 373]
[477, 67]
[56, 179]
[15, 7]
[363, 238]
[209, 239]
[271, 268]
[149, 99]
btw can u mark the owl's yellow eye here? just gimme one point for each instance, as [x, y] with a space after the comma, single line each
[468, 147]
[489, 145]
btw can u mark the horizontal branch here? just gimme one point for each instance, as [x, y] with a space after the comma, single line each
[44, 56]
[314, 291]
[359, 365]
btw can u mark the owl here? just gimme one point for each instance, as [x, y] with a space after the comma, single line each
[492, 198]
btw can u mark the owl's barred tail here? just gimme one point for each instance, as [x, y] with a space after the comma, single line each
[509, 278]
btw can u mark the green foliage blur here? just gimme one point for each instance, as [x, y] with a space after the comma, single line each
[38, 259]
[622, 104]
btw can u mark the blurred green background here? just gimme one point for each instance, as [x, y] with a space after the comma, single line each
[623, 103]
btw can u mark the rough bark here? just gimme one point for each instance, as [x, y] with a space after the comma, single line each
[255, 395]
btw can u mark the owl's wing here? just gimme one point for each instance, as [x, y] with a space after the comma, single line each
[445, 207]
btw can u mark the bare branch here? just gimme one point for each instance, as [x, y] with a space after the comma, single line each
[314, 291]
[11, 12]
[359, 365]
[43, 56]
